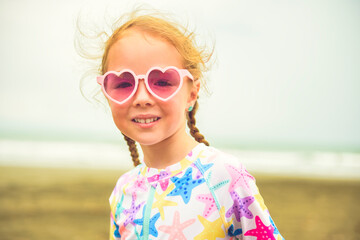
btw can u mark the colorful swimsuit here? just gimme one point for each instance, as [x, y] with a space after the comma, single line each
[207, 195]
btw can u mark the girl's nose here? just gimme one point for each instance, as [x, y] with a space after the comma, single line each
[142, 96]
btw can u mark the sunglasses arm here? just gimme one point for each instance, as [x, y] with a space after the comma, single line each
[186, 73]
[100, 79]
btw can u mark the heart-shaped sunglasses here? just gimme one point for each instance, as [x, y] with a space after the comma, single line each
[162, 83]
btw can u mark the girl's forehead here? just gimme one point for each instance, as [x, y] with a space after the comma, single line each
[138, 32]
[135, 35]
[137, 49]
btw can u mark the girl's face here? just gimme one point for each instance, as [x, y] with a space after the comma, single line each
[145, 118]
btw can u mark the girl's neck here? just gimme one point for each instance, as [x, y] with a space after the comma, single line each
[168, 151]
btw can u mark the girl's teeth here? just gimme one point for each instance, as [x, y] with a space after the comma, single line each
[148, 120]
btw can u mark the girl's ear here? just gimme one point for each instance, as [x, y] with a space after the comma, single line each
[194, 91]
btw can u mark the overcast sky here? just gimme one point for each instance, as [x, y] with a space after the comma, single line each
[287, 72]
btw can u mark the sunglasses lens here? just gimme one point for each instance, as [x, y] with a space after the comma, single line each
[164, 84]
[119, 87]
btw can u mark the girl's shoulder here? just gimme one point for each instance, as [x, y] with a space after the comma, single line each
[219, 158]
[222, 165]
[129, 175]
[125, 179]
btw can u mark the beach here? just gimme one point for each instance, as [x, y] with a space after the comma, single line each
[72, 203]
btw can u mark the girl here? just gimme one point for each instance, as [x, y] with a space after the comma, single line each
[183, 189]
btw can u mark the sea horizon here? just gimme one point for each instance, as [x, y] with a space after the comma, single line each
[111, 155]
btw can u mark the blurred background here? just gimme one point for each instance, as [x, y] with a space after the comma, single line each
[284, 96]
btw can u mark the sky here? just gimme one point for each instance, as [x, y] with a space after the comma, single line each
[286, 75]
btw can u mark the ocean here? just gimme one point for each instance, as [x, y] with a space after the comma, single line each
[66, 154]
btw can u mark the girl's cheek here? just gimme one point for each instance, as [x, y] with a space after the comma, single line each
[118, 108]
[119, 115]
[117, 111]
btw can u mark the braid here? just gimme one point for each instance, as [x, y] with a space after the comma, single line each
[194, 131]
[133, 150]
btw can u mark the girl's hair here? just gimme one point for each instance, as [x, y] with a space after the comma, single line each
[194, 57]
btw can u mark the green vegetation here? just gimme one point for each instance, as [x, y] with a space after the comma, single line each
[41, 203]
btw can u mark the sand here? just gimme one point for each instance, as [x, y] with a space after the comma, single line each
[48, 203]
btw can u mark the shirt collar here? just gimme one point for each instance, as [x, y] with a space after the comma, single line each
[155, 175]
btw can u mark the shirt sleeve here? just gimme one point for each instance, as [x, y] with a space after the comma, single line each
[114, 229]
[246, 210]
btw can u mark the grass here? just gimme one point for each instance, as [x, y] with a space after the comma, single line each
[40, 203]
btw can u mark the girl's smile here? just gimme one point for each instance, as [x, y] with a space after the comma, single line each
[146, 121]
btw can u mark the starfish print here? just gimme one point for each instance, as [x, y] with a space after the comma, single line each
[118, 186]
[152, 221]
[212, 230]
[202, 168]
[261, 231]
[162, 178]
[200, 155]
[240, 207]
[190, 153]
[240, 178]
[198, 174]
[176, 230]
[119, 208]
[113, 203]
[127, 181]
[143, 171]
[164, 183]
[124, 232]
[260, 200]
[185, 163]
[132, 211]
[232, 232]
[185, 185]
[139, 185]
[209, 201]
[218, 185]
[161, 202]
[116, 231]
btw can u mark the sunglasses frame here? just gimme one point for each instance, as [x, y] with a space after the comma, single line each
[182, 73]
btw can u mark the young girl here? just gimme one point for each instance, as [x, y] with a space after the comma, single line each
[183, 189]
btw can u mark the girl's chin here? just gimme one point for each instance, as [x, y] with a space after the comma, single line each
[146, 140]
[147, 143]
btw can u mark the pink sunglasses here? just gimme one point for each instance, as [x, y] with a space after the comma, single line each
[162, 83]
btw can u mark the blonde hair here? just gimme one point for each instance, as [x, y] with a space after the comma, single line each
[195, 58]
